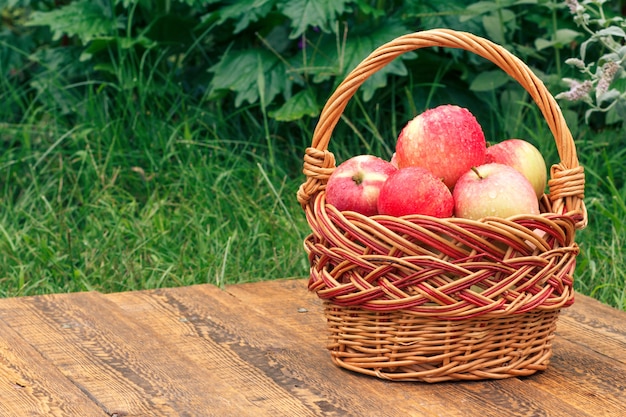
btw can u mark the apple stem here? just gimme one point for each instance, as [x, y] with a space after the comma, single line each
[357, 178]
[477, 173]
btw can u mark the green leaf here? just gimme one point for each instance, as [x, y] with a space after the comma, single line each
[379, 79]
[61, 64]
[245, 12]
[541, 44]
[196, 2]
[300, 105]
[107, 42]
[561, 38]
[617, 113]
[85, 19]
[489, 80]
[478, 8]
[126, 3]
[329, 61]
[313, 13]
[191, 3]
[609, 96]
[612, 31]
[97, 45]
[584, 46]
[364, 7]
[588, 114]
[239, 71]
[493, 27]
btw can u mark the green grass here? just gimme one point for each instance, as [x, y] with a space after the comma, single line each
[601, 270]
[116, 204]
[136, 189]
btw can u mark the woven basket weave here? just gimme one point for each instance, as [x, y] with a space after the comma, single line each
[419, 298]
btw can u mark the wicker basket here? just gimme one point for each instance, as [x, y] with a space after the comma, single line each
[419, 298]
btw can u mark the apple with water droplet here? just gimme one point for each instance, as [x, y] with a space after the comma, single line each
[355, 184]
[524, 157]
[494, 190]
[415, 190]
[446, 140]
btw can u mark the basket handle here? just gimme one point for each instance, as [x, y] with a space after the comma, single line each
[567, 178]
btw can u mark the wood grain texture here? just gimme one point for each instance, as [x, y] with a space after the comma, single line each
[209, 327]
[119, 362]
[259, 350]
[595, 326]
[30, 385]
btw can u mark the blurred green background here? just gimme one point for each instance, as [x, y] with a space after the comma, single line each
[159, 143]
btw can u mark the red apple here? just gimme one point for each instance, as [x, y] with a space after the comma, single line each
[447, 140]
[415, 190]
[524, 157]
[494, 190]
[354, 185]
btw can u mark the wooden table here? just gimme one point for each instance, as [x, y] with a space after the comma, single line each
[258, 350]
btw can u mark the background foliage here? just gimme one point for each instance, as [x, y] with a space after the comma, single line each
[156, 143]
[284, 55]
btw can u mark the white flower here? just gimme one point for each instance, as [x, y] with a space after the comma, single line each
[575, 62]
[609, 70]
[577, 90]
[574, 6]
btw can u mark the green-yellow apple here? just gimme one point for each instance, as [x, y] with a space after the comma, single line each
[446, 140]
[415, 190]
[494, 190]
[355, 184]
[394, 160]
[524, 157]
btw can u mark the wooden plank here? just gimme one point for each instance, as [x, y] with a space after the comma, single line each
[282, 336]
[258, 349]
[285, 368]
[584, 379]
[121, 364]
[596, 326]
[30, 385]
[228, 354]
[589, 361]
